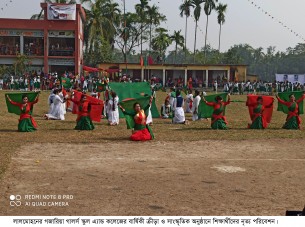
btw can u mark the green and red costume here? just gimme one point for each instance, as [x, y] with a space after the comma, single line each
[260, 114]
[293, 119]
[219, 121]
[142, 131]
[26, 121]
[83, 121]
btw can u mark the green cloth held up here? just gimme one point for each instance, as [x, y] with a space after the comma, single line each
[285, 97]
[17, 97]
[205, 111]
[128, 106]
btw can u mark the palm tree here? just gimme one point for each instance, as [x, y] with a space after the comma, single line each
[161, 41]
[40, 15]
[101, 20]
[197, 13]
[141, 10]
[221, 9]
[154, 18]
[209, 5]
[102, 16]
[179, 41]
[185, 9]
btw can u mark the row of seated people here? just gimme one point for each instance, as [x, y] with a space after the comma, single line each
[34, 50]
[14, 49]
[60, 51]
[6, 49]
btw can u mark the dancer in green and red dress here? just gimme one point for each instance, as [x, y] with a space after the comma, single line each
[26, 121]
[259, 121]
[141, 131]
[83, 121]
[293, 119]
[219, 121]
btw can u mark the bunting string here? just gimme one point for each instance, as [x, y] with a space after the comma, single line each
[258, 7]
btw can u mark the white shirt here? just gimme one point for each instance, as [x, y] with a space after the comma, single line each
[196, 103]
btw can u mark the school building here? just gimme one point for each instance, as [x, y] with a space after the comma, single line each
[204, 74]
[53, 43]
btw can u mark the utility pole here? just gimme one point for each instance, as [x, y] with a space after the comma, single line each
[125, 37]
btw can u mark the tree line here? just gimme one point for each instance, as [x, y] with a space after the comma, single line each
[112, 35]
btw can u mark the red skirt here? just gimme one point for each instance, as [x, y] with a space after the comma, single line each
[141, 135]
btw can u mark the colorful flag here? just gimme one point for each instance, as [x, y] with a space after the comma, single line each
[101, 87]
[66, 83]
[96, 110]
[267, 102]
[17, 97]
[134, 90]
[150, 60]
[205, 111]
[128, 103]
[141, 61]
[285, 97]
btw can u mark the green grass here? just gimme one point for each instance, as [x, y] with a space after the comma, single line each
[62, 131]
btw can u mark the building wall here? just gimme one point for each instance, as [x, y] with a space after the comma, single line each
[70, 52]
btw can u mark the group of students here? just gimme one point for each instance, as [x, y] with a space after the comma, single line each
[57, 99]
[173, 107]
[141, 130]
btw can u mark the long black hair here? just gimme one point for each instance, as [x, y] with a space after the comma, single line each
[113, 97]
[25, 96]
[217, 98]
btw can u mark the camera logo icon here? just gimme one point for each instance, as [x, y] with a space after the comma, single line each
[15, 200]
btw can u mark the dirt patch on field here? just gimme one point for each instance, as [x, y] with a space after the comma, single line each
[157, 178]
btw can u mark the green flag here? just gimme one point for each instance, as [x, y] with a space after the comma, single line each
[134, 90]
[100, 87]
[17, 97]
[127, 104]
[205, 111]
[285, 97]
[65, 82]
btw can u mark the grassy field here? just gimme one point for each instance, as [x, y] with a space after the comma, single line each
[186, 170]
[62, 131]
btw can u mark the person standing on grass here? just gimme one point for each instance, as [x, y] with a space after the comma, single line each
[26, 121]
[189, 101]
[293, 119]
[196, 105]
[172, 97]
[219, 121]
[113, 110]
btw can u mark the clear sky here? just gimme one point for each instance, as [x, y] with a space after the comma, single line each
[244, 22]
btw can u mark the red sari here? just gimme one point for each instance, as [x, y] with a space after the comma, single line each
[219, 121]
[25, 114]
[142, 131]
[293, 119]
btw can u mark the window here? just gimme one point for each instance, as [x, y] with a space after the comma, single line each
[9, 45]
[61, 46]
[33, 46]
